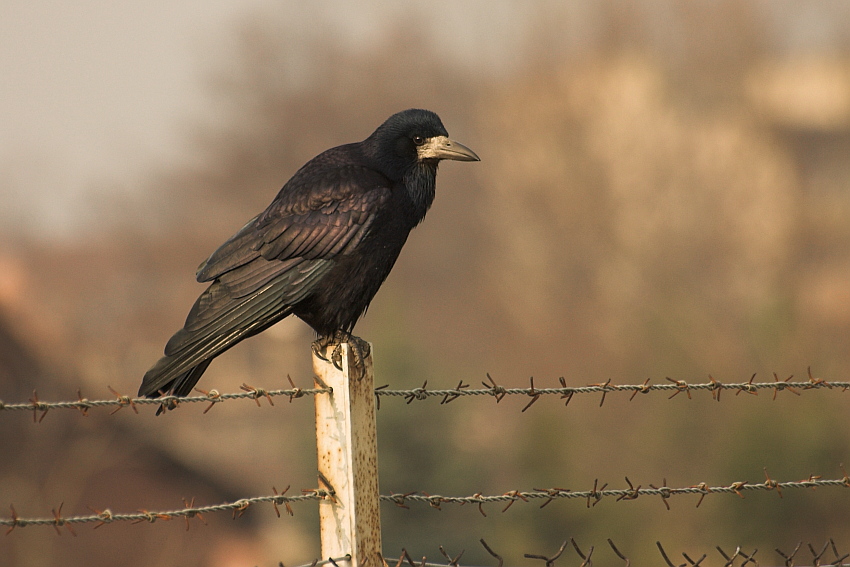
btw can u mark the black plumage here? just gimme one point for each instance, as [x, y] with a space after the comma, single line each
[320, 250]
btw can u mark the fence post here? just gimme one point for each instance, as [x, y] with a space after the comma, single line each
[348, 459]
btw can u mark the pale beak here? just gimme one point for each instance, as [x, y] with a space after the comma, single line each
[441, 147]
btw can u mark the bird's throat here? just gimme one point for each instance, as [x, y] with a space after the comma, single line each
[420, 182]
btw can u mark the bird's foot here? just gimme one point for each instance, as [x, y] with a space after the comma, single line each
[359, 348]
[321, 344]
[318, 347]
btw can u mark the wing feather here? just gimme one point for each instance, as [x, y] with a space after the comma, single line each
[306, 221]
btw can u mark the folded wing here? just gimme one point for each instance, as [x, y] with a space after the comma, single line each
[267, 267]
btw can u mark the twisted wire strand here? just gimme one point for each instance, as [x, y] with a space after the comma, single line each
[190, 511]
[619, 494]
[213, 396]
[462, 390]
[434, 500]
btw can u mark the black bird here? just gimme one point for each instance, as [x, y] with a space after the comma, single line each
[320, 250]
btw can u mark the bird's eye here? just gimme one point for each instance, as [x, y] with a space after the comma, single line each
[418, 140]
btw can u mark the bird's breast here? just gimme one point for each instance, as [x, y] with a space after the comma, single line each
[344, 293]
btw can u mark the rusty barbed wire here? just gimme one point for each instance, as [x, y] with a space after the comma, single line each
[106, 516]
[597, 494]
[737, 558]
[214, 397]
[492, 389]
[335, 561]
[592, 498]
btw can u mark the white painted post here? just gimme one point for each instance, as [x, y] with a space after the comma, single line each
[348, 458]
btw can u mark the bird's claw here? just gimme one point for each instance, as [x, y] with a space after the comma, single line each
[336, 356]
[360, 351]
[317, 347]
[323, 342]
[358, 348]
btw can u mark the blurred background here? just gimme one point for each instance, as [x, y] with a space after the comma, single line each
[664, 191]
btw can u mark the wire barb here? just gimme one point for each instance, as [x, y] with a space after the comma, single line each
[617, 552]
[257, 393]
[549, 560]
[123, 401]
[452, 560]
[497, 391]
[532, 393]
[493, 553]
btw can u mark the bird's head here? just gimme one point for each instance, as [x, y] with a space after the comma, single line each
[414, 137]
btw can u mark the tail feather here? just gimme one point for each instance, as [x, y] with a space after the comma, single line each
[180, 386]
[158, 380]
[224, 315]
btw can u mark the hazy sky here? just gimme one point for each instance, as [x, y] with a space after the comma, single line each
[93, 89]
[94, 92]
